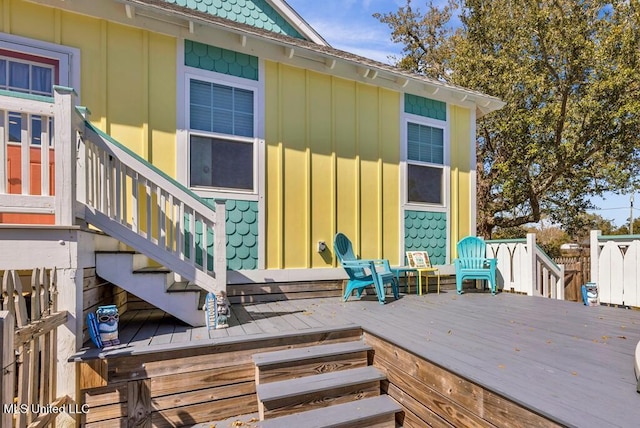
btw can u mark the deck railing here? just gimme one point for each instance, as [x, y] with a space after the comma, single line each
[615, 268]
[27, 179]
[101, 181]
[523, 267]
[28, 337]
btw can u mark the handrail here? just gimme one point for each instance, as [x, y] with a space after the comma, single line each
[523, 266]
[550, 276]
[135, 202]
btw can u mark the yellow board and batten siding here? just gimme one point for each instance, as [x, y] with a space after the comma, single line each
[461, 209]
[126, 99]
[332, 165]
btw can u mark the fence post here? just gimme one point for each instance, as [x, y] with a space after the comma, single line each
[595, 254]
[531, 247]
[65, 155]
[7, 360]
[220, 246]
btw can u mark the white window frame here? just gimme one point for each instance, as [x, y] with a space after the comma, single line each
[235, 83]
[185, 132]
[445, 166]
[68, 58]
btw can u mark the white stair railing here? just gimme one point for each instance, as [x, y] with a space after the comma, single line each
[133, 201]
[523, 267]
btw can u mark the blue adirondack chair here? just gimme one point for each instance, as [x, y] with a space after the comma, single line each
[363, 273]
[473, 264]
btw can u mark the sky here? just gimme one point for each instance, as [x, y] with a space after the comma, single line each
[349, 25]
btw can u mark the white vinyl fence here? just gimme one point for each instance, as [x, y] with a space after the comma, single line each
[523, 267]
[615, 268]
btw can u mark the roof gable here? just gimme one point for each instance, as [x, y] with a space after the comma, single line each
[275, 16]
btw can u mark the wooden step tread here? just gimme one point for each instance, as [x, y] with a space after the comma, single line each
[322, 382]
[339, 415]
[152, 269]
[180, 286]
[309, 352]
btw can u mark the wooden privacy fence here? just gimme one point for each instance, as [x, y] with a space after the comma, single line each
[28, 326]
[576, 273]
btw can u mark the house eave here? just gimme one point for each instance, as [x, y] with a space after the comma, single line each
[181, 22]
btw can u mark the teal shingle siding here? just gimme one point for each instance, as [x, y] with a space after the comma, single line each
[426, 231]
[212, 58]
[425, 107]
[242, 236]
[257, 13]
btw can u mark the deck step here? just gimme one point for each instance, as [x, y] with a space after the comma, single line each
[152, 269]
[375, 412]
[181, 286]
[291, 396]
[310, 360]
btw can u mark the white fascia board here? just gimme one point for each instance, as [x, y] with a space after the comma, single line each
[297, 22]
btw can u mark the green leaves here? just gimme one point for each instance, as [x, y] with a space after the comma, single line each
[569, 73]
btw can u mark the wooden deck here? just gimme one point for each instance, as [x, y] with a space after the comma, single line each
[570, 363]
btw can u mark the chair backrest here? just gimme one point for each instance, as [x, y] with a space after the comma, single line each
[343, 248]
[344, 252]
[472, 251]
[418, 259]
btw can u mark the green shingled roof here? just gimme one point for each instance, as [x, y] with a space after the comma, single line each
[257, 13]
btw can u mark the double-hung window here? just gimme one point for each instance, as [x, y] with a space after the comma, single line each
[28, 74]
[221, 137]
[425, 164]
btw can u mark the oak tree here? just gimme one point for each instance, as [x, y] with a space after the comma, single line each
[568, 71]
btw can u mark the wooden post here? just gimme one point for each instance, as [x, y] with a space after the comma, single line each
[139, 403]
[81, 167]
[595, 254]
[7, 365]
[220, 246]
[531, 248]
[65, 155]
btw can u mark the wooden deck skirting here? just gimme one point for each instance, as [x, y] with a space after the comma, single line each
[470, 360]
[193, 383]
[433, 396]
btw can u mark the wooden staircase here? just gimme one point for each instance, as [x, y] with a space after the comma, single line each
[157, 285]
[322, 386]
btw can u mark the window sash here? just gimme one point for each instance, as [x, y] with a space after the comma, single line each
[425, 184]
[221, 163]
[425, 143]
[26, 76]
[221, 109]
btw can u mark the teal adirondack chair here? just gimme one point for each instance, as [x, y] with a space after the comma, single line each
[363, 273]
[472, 263]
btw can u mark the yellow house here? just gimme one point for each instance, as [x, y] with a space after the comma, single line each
[243, 100]
[229, 125]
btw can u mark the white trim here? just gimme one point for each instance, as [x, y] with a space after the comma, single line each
[262, 168]
[301, 26]
[235, 82]
[446, 158]
[68, 58]
[271, 276]
[27, 204]
[473, 175]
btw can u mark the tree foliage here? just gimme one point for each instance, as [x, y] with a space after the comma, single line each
[568, 71]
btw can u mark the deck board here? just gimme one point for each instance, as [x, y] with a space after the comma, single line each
[571, 363]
